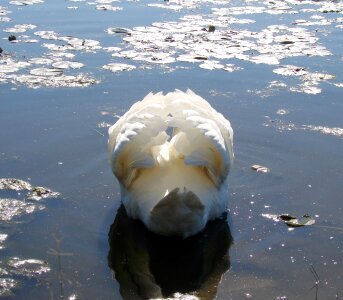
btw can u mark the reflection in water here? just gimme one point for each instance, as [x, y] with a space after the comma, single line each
[147, 265]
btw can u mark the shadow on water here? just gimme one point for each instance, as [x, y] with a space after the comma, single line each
[148, 265]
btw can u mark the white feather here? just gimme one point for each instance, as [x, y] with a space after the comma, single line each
[173, 183]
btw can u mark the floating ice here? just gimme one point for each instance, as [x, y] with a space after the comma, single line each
[191, 40]
[26, 39]
[108, 7]
[310, 80]
[58, 54]
[46, 72]
[20, 28]
[73, 43]
[67, 65]
[211, 65]
[14, 184]
[3, 237]
[281, 126]
[51, 74]
[208, 40]
[265, 59]
[4, 19]
[8, 65]
[177, 5]
[331, 7]
[40, 61]
[48, 35]
[11, 208]
[86, 45]
[117, 67]
[167, 6]
[3, 12]
[106, 1]
[112, 49]
[105, 5]
[25, 2]
[23, 203]
[335, 131]
[28, 267]
[290, 70]
[38, 193]
[307, 88]
[6, 286]
[32, 81]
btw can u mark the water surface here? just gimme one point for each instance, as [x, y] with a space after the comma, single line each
[288, 119]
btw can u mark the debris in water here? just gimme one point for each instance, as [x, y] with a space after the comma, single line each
[12, 38]
[282, 111]
[38, 193]
[104, 125]
[291, 221]
[259, 168]
[211, 28]
[113, 30]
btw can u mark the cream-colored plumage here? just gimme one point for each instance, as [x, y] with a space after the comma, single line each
[172, 154]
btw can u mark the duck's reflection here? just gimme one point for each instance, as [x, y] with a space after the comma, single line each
[148, 266]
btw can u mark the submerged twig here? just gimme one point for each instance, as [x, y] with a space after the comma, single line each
[98, 132]
[316, 277]
[57, 252]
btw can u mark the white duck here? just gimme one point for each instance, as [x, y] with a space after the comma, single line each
[172, 154]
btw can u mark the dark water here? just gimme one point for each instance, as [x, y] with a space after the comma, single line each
[54, 135]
